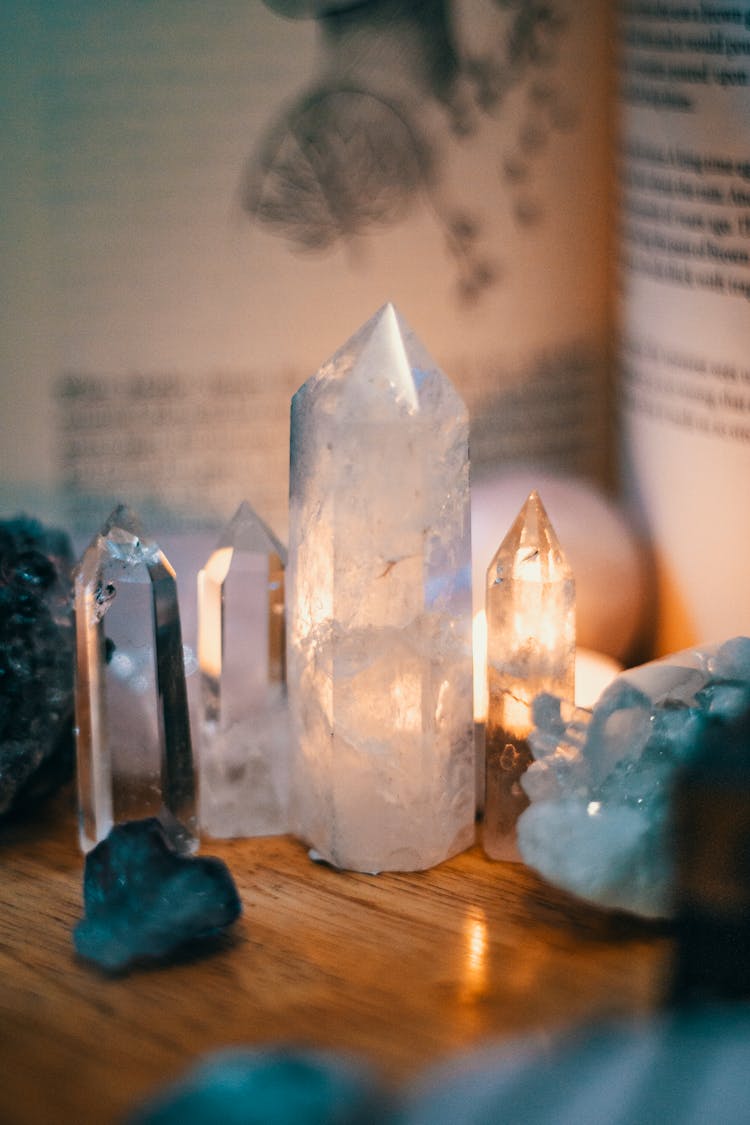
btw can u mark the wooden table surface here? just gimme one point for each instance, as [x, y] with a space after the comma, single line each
[402, 969]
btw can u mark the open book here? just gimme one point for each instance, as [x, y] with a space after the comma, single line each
[200, 208]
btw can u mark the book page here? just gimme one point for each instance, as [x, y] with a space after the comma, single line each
[200, 206]
[684, 166]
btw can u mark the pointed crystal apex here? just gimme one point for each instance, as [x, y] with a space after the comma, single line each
[383, 364]
[531, 550]
[383, 361]
[246, 531]
[122, 518]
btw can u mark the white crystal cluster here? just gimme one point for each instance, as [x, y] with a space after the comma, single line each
[598, 824]
[379, 641]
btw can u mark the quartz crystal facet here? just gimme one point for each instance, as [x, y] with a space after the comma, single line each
[132, 726]
[380, 669]
[244, 747]
[530, 650]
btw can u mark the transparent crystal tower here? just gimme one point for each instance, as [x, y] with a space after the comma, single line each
[132, 725]
[244, 743]
[379, 632]
[530, 602]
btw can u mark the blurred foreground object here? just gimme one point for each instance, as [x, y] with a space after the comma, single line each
[689, 1068]
[712, 864]
[270, 1086]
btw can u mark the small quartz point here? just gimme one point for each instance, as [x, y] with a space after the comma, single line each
[244, 747]
[530, 651]
[132, 725]
[379, 641]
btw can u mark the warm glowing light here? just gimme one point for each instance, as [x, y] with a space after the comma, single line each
[406, 703]
[530, 606]
[479, 640]
[594, 671]
[516, 713]
[210, 586]
[474, 964]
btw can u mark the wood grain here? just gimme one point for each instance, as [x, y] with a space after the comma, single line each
[401, 969]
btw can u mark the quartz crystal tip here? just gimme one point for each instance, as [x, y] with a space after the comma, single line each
[246, 531]
[122, 519]
[530, 552]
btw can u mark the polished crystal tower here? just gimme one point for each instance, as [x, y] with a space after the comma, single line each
[132, 726]
[244, 735]
[530, 601]
[380, 667]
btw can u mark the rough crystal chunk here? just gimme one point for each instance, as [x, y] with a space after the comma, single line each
[244, 746]
[530, 601]
[144, 902]
[36, 662]
[132, 725]
[380, 669]
[601, 783]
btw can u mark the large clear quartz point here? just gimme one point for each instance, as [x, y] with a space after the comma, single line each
[244, 746]
[379, 633]
[530, 602]
[132, 725]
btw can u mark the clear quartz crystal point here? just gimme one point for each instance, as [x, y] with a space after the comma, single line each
[530, 602]
[132, 724]
[379, 633]
[244, 745]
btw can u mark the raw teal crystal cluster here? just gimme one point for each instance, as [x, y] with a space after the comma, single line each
[602, 782]
[145, 902]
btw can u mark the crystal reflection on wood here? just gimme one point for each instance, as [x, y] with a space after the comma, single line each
[530, 602]
[380, 607]
[244, 745]
[132, 726]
